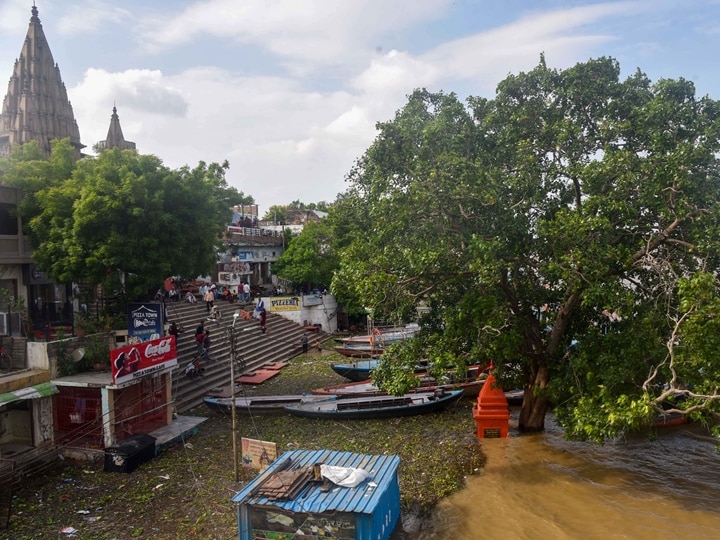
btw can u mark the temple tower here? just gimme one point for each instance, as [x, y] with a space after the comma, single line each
[36, 106]
[115, 138]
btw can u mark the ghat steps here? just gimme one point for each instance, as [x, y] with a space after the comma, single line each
[253, 349]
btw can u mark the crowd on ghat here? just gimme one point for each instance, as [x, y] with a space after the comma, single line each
[173, 291]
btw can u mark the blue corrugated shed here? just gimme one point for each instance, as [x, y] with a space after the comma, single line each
[368, 511]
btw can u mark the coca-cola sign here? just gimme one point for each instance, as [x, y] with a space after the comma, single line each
[142, 359]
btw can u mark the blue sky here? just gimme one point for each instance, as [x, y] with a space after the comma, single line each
[289, 91]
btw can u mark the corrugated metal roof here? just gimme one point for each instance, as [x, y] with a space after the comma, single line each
[31, 392]
[360, 499]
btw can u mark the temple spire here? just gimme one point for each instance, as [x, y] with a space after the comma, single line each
[36, 106]
[115, 138]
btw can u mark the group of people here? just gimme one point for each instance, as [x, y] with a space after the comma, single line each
[202, 341]
[202, 334]
[208, 294]
[244, 292]
[305, 342]
[173, 291]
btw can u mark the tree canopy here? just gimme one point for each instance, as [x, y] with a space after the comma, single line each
[122, 219]
[309, 258]
[278, 212]
[566, 231]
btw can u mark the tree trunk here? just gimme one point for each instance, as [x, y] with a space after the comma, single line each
[532, 413]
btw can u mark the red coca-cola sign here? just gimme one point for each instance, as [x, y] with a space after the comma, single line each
[136, 361]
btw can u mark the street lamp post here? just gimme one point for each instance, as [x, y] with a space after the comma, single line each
[232, 396]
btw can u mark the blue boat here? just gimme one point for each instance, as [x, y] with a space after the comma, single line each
[355, 371]
[360, 370]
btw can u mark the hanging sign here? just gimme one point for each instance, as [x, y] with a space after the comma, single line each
[136, 361]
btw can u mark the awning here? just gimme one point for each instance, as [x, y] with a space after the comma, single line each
[31, 392]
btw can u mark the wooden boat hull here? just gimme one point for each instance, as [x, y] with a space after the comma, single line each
[515, 397]
[386, 337]
[358, 352]
[355, 371]
[470, 387]
[668, 420]
[366, 407]
[361, 370]
[259, 404]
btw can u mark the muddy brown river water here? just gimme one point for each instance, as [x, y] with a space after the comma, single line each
[543, 487]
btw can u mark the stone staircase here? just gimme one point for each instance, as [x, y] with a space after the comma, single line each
[254, 349]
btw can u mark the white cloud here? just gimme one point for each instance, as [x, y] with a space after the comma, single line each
[14, 17]
[397, 73]
[89, 17]
[487, 57]
[273, 133]
[146, 91]
[286, 139]
[316, 32]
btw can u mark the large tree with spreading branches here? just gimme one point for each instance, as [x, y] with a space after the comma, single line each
[566, 231]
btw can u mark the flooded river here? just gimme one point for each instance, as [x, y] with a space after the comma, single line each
[542, 487]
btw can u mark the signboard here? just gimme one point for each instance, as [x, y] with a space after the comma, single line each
[258, 454]
[312, 300]
[145, 321]
[285, 303]
[135, 361]
[37, 276]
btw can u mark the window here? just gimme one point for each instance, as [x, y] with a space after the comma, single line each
[8, 219]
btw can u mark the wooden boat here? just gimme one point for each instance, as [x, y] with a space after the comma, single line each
[386, 336]
[365, 407]
[515, 397]
[470, 385]
[355, 371]
[374, 343]
[670, 419]
[361, 370]
[359, 351]
[260, 404]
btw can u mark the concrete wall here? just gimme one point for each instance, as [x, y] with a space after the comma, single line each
[42, 354]
[306, 309]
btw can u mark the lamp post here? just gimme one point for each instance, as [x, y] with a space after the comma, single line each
[233, 356]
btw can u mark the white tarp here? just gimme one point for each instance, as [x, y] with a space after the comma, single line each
[344, 476]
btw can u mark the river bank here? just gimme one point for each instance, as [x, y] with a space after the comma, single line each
[186, 491]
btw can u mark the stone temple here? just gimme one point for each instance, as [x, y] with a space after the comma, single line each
[36, 106]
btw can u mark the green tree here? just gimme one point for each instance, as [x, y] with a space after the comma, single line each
[549, 230]
[277, 214]
[122, 219]
[309, 258]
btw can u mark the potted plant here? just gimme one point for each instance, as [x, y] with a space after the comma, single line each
[97, 354]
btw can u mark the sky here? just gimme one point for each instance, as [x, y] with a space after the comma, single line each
[289, 92]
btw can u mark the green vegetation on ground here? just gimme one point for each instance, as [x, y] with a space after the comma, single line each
[186, 491]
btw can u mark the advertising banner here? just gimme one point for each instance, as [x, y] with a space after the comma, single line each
[145, 321]
[285, 303]
[136, 361]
